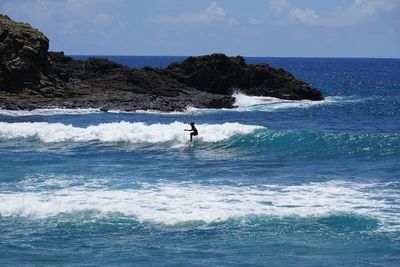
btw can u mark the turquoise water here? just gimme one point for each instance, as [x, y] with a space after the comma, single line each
[272, 182]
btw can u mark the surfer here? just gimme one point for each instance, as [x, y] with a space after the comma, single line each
[193, 131]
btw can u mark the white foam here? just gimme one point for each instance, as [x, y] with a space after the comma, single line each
[261, 103]
[134, 132]
[48, 112]
[172, 203]
[243, 103]
[243, 100]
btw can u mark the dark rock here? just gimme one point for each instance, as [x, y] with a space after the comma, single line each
[219, 74]
[31, 77]
[23, 57]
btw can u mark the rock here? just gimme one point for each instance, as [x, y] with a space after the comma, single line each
[59, 57]
[31, 77]
[23, 60]
[219, 74]
[29, 50]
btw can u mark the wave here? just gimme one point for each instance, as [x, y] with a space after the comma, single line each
[262, 103]
[48, 112]
[133, 132]
[85, 111]
[211, 136]
[172, 203]
[243, 103]
[318, 143]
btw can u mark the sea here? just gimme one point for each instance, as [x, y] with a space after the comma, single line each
[269, 183]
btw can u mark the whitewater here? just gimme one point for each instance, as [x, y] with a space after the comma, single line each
[137, 132]
[270, 182]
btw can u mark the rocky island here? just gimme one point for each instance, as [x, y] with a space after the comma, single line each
[31, 77]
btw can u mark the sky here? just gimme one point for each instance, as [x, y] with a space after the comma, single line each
[271, 28]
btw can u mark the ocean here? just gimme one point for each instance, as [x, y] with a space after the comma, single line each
[270, 183]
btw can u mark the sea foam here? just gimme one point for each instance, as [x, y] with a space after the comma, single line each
[242, 102]
[172, 203]
[48, 112]
[264, 103]
[134, 132]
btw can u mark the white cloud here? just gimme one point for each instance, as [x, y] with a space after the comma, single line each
[66, 17]
[183, 18]
[233, 21]
[254, 21]
[303, 15]
[214, 9]
[212, 13]
[103, 17]
[105, 25]
[352, 15]
[370, 7]
[74, 4]
[279, 5]
[360, 11]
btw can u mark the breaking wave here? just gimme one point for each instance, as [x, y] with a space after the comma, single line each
[263, 103]
[172, 203]
[224, 136]
[134, 132]
[243, 103]
[48, 112]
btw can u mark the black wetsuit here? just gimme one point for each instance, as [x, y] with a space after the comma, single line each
[194, 130]
[193, 133]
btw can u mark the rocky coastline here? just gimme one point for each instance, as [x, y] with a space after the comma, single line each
[31, 77]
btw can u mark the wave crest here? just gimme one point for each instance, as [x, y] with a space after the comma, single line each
[172, 203]
[270, 104]
[134, 132]
[48, 112]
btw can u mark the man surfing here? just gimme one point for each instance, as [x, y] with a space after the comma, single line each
[193, 131]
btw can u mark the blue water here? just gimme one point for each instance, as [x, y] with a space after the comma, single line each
[272, 182]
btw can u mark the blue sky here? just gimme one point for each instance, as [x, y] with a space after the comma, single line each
[306, 28]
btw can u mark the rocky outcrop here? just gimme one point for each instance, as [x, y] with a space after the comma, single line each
[24, 60]
[31, 77]
[219, 74]
[108, 85]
